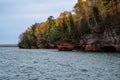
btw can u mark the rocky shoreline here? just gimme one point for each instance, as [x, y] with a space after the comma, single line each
[93, 46]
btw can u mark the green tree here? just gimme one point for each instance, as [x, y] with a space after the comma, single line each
[49, 28]
[96, 13]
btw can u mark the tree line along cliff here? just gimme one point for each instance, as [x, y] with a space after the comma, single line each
[93, 26]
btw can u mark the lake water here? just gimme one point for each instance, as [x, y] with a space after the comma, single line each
[50, 64]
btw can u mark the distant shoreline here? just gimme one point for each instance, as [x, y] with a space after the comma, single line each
[8, 45]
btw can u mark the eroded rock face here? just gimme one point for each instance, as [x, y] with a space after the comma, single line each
[47, 46]
[92, 47]
[101, 45]
[117, 47]
[24, 47]
[105, 35]
[95, 43]
[65, 46]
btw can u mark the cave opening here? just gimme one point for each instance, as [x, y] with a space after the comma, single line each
[109, 49]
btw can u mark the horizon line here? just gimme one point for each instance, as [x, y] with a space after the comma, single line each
[8, 45]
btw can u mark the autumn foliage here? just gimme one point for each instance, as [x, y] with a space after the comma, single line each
[89, 17]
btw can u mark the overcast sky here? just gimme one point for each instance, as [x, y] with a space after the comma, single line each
[17, 15]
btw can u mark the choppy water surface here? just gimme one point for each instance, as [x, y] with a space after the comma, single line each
[46, 64]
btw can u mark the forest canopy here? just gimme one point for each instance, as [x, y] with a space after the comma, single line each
[89, 18]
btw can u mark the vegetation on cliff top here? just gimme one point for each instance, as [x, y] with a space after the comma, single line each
[90, 17]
